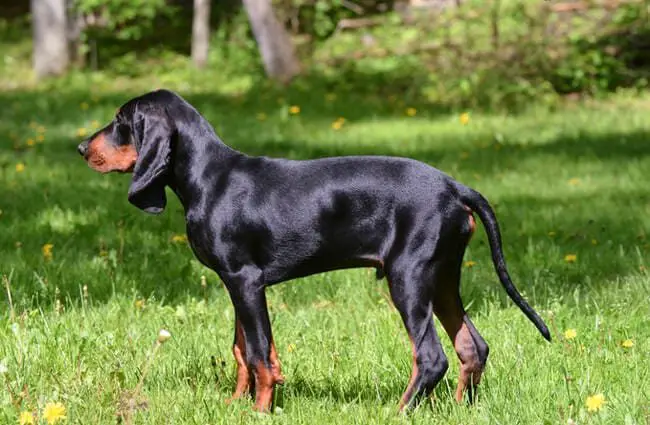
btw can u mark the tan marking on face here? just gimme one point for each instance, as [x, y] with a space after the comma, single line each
[105, 158]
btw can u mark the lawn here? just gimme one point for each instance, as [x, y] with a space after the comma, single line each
[92, 279]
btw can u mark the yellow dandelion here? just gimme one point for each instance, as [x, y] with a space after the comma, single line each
[570, 334]
[574, 181]
[47, 251]
[570, 258]
[551, 234]
[40, 129]
[291, 348]
[464, 118]
[411, 112]
[628, 343]
[294, 110]
[139, 304]
[179, 238]
[469, 264]
[83, 106]
[30, 142]
[20, 167]
[81, 132]
[594, 242]
[338, 123]
[26, 418]
[94, 124]
[54, 412]
[40, 138]
[261, 116]
[595, 402]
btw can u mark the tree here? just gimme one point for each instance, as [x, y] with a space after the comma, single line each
[201, 32]
[274, 43]
[50, 52]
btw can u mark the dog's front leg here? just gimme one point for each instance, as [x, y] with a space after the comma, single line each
[245, 378]
[249, 300]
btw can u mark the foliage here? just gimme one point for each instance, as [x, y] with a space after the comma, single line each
[126, 19]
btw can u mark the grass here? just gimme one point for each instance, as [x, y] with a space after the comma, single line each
[570, 182]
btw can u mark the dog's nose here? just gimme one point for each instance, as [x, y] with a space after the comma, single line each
[83, 148]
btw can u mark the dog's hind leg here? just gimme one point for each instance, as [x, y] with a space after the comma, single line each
[410, 293]
[471, 348]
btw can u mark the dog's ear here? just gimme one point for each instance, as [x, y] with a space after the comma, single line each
[153, 133]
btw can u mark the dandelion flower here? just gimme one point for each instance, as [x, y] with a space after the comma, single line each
[30, 142]
[570, 258]
[40, 138]
[338, 123]
[294, 110]
[570, 334]
[40, 129]
[411, 112]
[291, 348]
[47, 251]
[163, 336]
[464, 118]
[551, 234]
[574, 181]
[595, 402]
[54, 412]
[20, 167]
[94, 124]
[628, 343]
[139, 304]
[26, 418]
[179, 238]
[469, 264]
[81, 132]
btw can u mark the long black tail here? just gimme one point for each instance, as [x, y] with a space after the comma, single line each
[480, 205]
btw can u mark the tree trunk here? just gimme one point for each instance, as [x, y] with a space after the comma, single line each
[201, 32]
[50, 52]
[275, 46]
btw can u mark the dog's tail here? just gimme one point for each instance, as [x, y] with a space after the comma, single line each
[480, 205]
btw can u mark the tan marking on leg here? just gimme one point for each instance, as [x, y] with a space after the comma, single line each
[264, 384]
[408, 393]
[470, 366]
[276, 366]
[243, 372]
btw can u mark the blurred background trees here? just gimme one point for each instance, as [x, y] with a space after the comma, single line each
[471, 52]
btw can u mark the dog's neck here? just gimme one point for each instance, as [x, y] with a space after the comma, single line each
[197, 159]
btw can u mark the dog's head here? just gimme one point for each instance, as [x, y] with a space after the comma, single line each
[138, 141]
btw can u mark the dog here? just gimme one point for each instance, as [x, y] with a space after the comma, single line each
[258, 221]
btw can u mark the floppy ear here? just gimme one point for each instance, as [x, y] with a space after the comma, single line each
[147, 190]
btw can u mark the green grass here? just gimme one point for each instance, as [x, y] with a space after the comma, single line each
[573, 181]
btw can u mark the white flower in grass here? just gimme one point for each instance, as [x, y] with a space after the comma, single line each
[3, 367]
[163, 336]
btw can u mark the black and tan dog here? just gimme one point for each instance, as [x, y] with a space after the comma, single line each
[258, 221]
